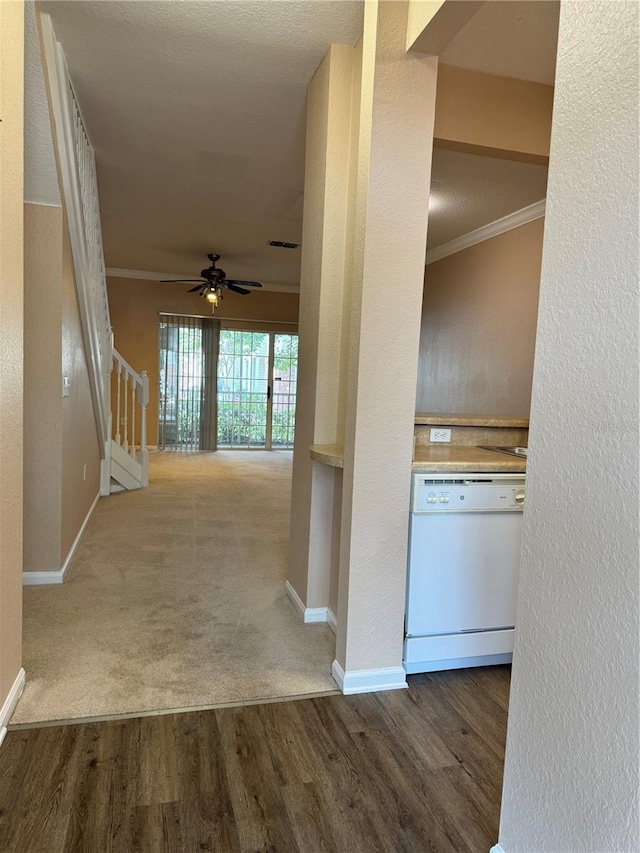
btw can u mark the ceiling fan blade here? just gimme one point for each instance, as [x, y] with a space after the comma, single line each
[197, 287]
[242, 283]
[177, 280]
[236, 289]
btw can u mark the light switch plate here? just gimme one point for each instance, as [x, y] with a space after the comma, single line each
[66, 386]
[439, 434]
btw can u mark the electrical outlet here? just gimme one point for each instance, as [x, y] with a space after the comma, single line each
[439, 434]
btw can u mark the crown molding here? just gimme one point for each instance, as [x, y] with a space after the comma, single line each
[147, 275]
[144, 275]
[486, 232]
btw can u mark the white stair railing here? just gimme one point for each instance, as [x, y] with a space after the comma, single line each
[129, 400]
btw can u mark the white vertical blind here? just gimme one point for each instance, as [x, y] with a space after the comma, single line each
[188, 366]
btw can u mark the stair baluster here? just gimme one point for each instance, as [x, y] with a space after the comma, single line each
[129, 460]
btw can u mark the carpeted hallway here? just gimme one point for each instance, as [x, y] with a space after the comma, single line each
[176, 599]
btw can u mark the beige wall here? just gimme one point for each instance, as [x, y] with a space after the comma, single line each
[80, 444]
[487, 114]
[60, 432]
[11, 341]
[43, 226]
[433, 23]
[479, 315]
[135, 307]
[329, 104]
[475, 112]
[573, 743]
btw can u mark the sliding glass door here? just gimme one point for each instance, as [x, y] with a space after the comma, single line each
[257, 377]
[284, 386]
[243, 387]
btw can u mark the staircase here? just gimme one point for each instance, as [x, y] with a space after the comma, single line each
[128, 466]
[119, 394]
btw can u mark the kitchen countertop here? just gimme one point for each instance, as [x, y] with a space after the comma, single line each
[465, 458]
[328, 454]
[470, 420]
[430, 457]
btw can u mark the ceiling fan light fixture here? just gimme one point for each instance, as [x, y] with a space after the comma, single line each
[213, 281]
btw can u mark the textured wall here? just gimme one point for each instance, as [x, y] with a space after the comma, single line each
[42, 387]
[321, 320]
[60, 432]
[478, 332]
[80, 444]
[397, 105]
[40, 175]
[11, 341]
[571, 776]
[498, 113]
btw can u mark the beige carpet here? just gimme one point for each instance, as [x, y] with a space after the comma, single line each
[176, 598]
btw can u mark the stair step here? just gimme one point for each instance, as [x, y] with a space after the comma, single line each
[125, 470]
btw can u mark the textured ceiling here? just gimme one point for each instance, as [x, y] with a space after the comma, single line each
[468, 191]
[197, 114]
[511, 38]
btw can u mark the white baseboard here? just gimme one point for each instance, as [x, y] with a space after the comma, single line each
[315, 614]
[37, 578]
[332, 621]
[369, 680]
[309, 614]
[295, 598]
[10, 703]
[496, 849]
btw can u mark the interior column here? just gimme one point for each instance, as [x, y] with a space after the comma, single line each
[320, 321]
[385, 279]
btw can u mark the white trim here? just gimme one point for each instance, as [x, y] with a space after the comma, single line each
[38, 578]
[332, 621]
[43, 203]
[309, 614]
[486, 232]
[369, 680]
[496, 849]
[295, 598]
[148, 275]
[315, 614]
[10, 703]
[145, 275]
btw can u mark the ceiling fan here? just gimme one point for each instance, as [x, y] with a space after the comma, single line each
[213, 280]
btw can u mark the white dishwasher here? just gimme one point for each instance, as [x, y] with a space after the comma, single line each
[465, 534]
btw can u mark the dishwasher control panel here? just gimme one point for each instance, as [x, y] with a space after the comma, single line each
[467, 493]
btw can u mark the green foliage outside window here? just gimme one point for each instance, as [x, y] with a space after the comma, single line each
[237, 425]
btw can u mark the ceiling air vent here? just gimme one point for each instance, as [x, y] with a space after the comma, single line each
[279, 244]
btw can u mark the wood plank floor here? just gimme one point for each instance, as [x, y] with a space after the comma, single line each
[412, 770]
